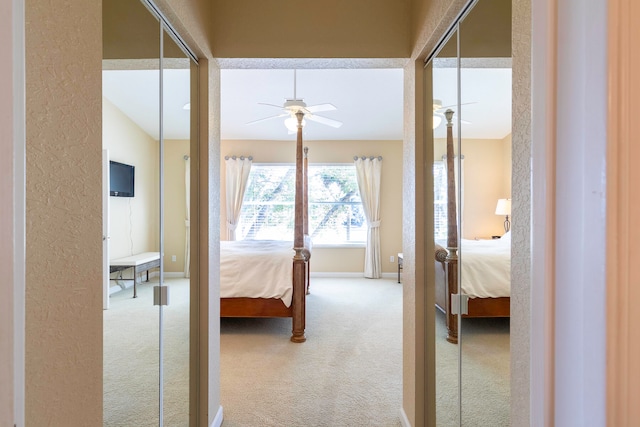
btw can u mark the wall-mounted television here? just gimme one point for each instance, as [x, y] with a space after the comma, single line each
[121, 179]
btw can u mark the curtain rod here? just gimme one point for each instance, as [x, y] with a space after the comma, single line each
[365, 157]
[236, 157]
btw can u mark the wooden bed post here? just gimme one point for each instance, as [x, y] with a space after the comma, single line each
[305, 214]
[305, 195]
[299, 265]
[452, 234]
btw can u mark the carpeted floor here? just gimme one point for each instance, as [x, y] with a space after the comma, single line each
[348, 373]
[485, 395]
[131, 357]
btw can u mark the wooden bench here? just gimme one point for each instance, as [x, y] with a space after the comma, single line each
[140, 263]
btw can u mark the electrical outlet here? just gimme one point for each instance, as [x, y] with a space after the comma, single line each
[173, 258]
[392, 258]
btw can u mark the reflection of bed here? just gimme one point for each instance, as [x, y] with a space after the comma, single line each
[484, 277]
[271, 280]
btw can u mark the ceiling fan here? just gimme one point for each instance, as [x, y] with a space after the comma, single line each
[295, 105]
[438, 112]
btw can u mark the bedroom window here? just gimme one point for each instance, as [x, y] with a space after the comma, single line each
[440, 198]
[335, 207]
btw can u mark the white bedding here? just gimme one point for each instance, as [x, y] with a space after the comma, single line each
[256, 269]
[486, 267]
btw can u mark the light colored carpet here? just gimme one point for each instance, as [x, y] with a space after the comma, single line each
[131, 380]
[485, 374]
[348, 373]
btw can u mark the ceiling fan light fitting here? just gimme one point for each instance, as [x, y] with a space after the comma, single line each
[436, 121]
[291, 123]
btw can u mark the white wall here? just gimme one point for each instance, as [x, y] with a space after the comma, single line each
[568, 353]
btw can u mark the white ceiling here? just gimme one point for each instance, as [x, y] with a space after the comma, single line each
[369, 101]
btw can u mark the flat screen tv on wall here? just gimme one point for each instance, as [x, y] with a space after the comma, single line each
[121, 179]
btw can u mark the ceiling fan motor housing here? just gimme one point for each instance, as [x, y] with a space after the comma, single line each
[295, 105]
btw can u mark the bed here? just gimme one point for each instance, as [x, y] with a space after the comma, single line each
[484, 273]
[484, 277]
[271, 278]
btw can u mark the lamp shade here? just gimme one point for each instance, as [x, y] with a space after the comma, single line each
[503, 207]
[436, 121]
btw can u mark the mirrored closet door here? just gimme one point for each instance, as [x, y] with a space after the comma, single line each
[147, 119]
[471, 85]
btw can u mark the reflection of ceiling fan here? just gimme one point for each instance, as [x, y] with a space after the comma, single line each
[294, 105]
[438, 112]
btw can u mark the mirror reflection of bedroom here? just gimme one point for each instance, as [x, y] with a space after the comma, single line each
[471, 84]
[337, 349]
[146, 144]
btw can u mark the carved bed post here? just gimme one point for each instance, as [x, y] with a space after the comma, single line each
[299, 265]
[452, 234]
[305, 212]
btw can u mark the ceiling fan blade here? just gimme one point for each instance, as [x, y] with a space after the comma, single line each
[455, 116]
[321, 107]
[455, 105]
[267, 118]
[270, 105]
[324, 120]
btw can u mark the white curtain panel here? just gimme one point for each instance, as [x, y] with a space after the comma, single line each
[237, 174]
[187, 221]
[369, 172]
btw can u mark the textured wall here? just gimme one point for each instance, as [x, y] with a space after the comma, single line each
[64, 213]
[307, 29]
[430, 21]
[520, 212]
[192, 20]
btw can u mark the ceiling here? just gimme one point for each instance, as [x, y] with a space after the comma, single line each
[369, 102]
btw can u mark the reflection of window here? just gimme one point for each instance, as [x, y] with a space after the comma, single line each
[335, 207]
[440, 197]
[440, 200]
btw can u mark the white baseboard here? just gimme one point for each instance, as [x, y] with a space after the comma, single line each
[174, 274]
[351, 275]
[336, 274]
[217, 421]
[404, 421]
